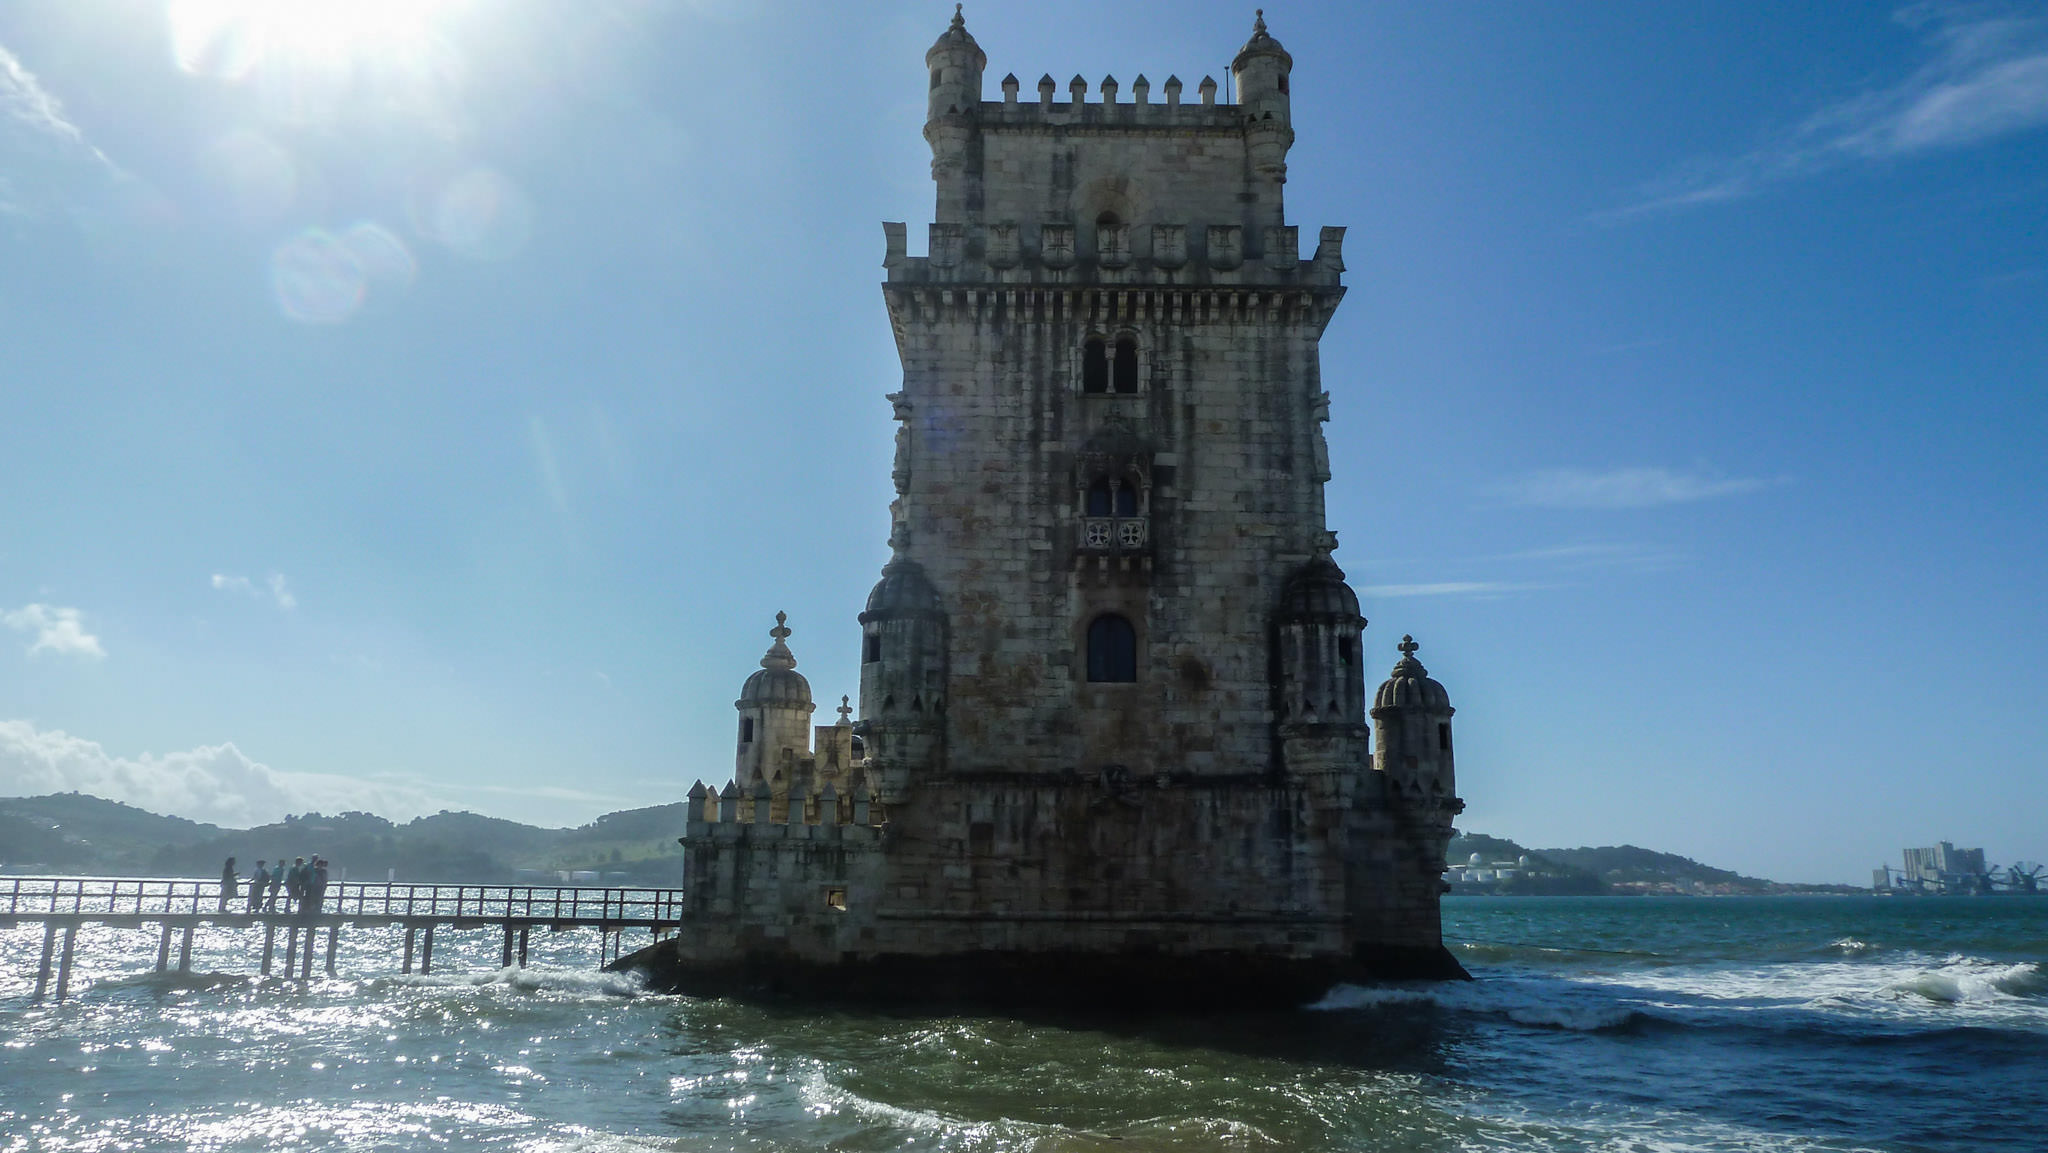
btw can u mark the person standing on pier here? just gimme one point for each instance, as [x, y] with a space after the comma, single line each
[295, 885]
[257, 881]
[276, 883]
[228, 884]
[316, 884]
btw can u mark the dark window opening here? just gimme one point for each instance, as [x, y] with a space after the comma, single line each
[935, 78]
[1099, 497]
[1343, 650]
[1283, 86]
[873, 651]
[1127, 500]
[1106, 222]
[746, 730]
[1127, 365]
[1094, 366]
[835, 899]
[1443, 737]
[1112, 650]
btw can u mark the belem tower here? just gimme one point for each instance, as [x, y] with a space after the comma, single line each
[1113, 740]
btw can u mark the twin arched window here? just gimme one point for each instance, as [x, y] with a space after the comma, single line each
[1104, 369]
[1105, 499]
[1112, 650]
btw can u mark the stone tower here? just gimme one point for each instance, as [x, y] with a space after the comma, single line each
[1112, 695]
[775, 715]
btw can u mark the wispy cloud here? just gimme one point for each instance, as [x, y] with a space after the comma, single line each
[55, 630]
[1618, 487]
[222, 785]
[1987, 77]
[274, 588]
[1446, 589]
[43, 155]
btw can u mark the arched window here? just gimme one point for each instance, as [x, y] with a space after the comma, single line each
[1126, 364]
[1127, 499]
[1094, 366]
[1112, 650]
[1099, 497]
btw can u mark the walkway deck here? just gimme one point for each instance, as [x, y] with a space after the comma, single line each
[65, 903]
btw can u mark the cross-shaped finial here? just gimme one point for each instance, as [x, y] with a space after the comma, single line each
[845, 711]
[1407, 646]
[781, 630]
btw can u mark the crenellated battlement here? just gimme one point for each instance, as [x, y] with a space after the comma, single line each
[1014, 252]
[1074, 109]
[735, 814]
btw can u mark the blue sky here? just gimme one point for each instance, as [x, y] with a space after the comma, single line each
[408, 406]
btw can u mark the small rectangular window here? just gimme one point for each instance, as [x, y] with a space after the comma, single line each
[1443, 736]
[835, 899]
[873, 650]
[746, 730]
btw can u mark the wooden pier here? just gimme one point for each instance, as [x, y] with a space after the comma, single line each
[178, 907]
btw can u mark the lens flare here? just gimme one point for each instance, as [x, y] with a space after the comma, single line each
[317, 278]
[479, 214]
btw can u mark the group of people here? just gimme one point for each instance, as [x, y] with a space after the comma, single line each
[303, 885]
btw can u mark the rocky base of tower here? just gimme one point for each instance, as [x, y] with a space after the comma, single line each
[1093, 982]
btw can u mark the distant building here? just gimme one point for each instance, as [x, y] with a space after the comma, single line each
[1943, 868]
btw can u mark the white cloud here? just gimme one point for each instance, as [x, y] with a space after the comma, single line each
[221, 785]
[47, 160]
[275, 587]
[1618, 488]
[1988, 77]
[56, 630]
[1445, 589]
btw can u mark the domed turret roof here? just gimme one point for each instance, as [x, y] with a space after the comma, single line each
[903, 591]
[956, 38]
[778, 682]
[1261, 44]
[1317, 591]
[1409, 686]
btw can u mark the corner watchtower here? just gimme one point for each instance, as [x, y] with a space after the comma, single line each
[956, 63]
[1262, 68]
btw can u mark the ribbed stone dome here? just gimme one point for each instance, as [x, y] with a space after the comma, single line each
[956, 37]
[1409, 686]
[903, 591]
[1317, 592]
[778, 682]
[1261, 44]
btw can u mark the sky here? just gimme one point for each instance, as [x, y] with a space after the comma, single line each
[421, 405]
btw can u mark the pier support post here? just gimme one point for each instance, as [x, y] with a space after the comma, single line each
[522, 946]
[333, 934]
[505, 954]
[306, 962]
[427, 952]
[269, 945]
[291, 949]
[410, 931]
[49, 951]
[185, 951]
[163, 948]
[64, 963]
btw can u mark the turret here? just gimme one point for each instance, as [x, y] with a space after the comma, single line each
[1412, 743]
[1321, 681]
[952, 108]
[775, 715]
[902, 679]
[1262, 68]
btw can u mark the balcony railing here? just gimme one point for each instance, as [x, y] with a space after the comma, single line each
[1115, 534]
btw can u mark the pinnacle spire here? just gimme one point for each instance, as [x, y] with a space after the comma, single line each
[960, 22]
[779, 656]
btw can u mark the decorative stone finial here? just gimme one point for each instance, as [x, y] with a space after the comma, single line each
[779, 656]
[960, 21]
[1258, 20]
[845, 711]
[1407, 647]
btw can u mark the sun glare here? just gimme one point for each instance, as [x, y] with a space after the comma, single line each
[234, 38]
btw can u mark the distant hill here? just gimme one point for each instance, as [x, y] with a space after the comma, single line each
[75, 833]
[1607, 869]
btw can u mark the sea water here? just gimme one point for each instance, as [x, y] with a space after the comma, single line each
[1623, 1024]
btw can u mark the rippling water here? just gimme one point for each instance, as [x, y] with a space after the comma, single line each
[1595, 1024]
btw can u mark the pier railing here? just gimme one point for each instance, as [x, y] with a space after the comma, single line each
[128, 897]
